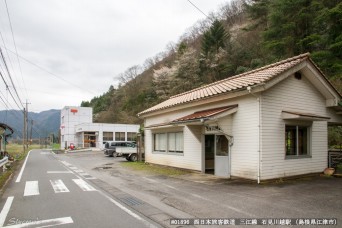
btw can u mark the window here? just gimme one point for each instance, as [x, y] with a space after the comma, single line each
[175, 142]
[159, 142]
[107, 136]
[296, 140]
[119, 136]
[222, 147]
[171, 142]
[131, 136]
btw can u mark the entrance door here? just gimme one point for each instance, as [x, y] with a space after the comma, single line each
[221, 156]
[209, 149]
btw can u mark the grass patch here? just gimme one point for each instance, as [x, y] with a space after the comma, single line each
[17, 152]
[154, 169]
[56, 146]
[4, 177]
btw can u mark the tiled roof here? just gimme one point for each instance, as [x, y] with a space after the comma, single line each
[231, 84]
[204, 114]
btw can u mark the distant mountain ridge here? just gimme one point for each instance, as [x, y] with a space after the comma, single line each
[44, 123]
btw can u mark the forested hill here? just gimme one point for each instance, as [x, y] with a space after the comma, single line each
[241, 36]
[40, 125]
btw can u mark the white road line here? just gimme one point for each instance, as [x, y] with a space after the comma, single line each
[31, 188]
[44, 153]
[73, 167]
[22, 168]
[169, 186]
[5, 210]
[153, 181]
[52, 172]
[58, 186]
[90, 178]
[78, 171]
[84, 185]
[45, 223]
[65, 163]
[131, 213]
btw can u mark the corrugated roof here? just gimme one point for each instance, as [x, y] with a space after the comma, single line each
[231, 84]
[204, 114]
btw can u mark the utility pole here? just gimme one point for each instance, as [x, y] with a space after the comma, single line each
[24, 130]
[31, 132]
[26, 124]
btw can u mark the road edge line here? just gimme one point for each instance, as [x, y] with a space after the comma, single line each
[5, 210]
[122, 207]
[22, 168]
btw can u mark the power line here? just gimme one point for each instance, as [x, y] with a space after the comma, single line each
[15, 45]
[9, 75]
[9, 90]
[197, 8]
[49, 72]
[9, 59]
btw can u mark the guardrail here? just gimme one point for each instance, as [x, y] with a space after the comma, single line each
[3, 161]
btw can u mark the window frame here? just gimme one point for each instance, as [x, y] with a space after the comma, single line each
[120, 134]
[105, 138]
[167, 143]
[308, 145]
[131, 136]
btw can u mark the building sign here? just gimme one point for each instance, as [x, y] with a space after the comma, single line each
[213, 128]
[74, 111]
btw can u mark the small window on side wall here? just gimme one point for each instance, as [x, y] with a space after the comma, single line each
[297, 141]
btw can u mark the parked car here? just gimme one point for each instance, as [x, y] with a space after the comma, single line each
[125, 149]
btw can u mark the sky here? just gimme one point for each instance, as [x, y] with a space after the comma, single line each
[70, 51]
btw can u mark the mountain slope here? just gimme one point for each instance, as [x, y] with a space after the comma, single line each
[44, 123]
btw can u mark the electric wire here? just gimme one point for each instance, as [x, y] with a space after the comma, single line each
[9, 59]
[10, 91]
[9, 75]
[197, 8]
[15, 45]
[49, 72]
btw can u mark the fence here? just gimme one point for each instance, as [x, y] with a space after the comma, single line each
[3, 161]
[334, 158]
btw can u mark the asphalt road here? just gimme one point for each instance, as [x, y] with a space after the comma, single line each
[99, 191]
[201, 196]
[49, 192]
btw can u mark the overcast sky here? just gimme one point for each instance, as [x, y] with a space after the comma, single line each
[85, 44]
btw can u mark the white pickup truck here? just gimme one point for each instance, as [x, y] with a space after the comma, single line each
[121, 149]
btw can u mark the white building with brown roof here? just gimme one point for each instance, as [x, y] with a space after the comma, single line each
[263, 124]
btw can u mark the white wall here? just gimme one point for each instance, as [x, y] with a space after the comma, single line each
[243, 125]
[70, 119]
[102, 127]
[291, 95]
[190, 159]
[244, 152]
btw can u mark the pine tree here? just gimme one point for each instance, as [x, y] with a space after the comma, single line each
[214, 39]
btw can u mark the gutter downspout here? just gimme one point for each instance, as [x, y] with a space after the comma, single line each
[258, 98]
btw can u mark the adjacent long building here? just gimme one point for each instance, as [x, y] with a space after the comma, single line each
[77, 128]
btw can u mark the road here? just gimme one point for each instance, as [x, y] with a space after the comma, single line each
[49, 192]
[88, 189]
[196, 195]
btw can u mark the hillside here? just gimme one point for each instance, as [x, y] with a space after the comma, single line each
[241, 36]
[44, 123]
